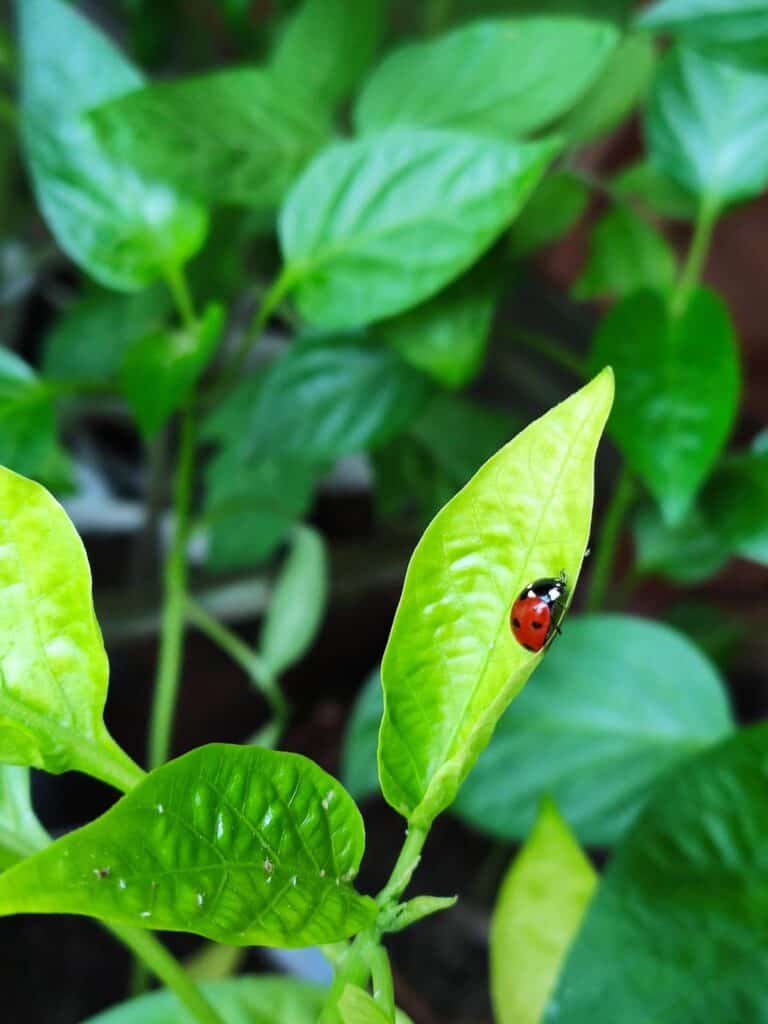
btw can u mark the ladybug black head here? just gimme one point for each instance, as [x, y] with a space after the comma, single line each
[548, 588]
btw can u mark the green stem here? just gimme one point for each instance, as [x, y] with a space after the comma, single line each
[406, 864]
[697, 254]
[164, 966]
[174, 601]
[551, 349]
[110, 763]
[607, 542]
[182, 297]
[381, 978]
[269, 303]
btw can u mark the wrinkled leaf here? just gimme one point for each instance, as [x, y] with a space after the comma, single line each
[557, 203]
[646, 185]
[492, 77]
[235, 136]
[734, 29]
[538, 912]
[377, 225]
[677, 390]
[685, 893]
[124, 230]
[247, 1000]
[53, 665]
[20, 832]
[238, 844]
[451, 665]
[625, 255]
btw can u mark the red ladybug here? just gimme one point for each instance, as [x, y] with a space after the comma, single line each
[538, 611]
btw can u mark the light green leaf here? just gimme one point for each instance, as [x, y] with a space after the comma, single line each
[21, 834]
[625, 255]
[645, 184]
[357, 1007]
[707, 126]
[235, 136]
[733, 29]
[491, 77]
[619, 87]
[28, 432]
[538, 912]
[379, 224]
[557, 203]
[451, 665]
[604, 718]
[685, 893]
[677, 390]
[238, 844]
[122, 229]
[298, 602]
[90, 338]
[446, 336]
[247, 1000]
[53, 665]
[160, 370]
[327, 45]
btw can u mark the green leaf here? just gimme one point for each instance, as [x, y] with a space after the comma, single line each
[707, 127]
[462, 79]
[297, 604]
[604, 718]
[446, 336]
[327, 45]
[238, 844]
[160, 370]
[451, 665]
[90, 338]
[21, 834]
[357, 1007]
[122, 229]
[538, 911]
[555, 206]
[246, 1000]
[358, 753]
[379, 224]
[53, 665]
[28, 433]
[677, 390]
[685, 893]
[625, 255]
[236, 136]
[686, 553]
[645, 184]
[619, 87]
[733, 29]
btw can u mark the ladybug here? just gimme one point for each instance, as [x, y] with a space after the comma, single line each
[538, 611]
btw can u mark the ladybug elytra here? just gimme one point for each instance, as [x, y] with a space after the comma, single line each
[536, 614]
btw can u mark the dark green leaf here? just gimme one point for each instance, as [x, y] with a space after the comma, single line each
[734, 29]
[124, 230]
[625, 255]
[239, 844]
[645, 184]
[28, 433]
[235, 136]
[688, 553]
[160, 370]
[377, 225]
[327, 45]
[21, 834]
[680, 916]
[707, 126]
[491, 77]
[676, 393]
[554, 207]
[358, 755]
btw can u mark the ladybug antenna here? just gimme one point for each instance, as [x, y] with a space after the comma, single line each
[563, 577]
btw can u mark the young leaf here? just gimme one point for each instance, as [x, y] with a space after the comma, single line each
[677, 390]
[160, 370]
[235, 136]
[122, 229]
[298, 602]
[707, 127]
[357, 1007]
[260, 999]
[732, 29]
[538, 912]
[28, 434]
[685, 893]
[21, 834]
[52, 663]
[644, 183]
[557, 203]
[462, 79]
[238, 844]
[451, 665]
[377, 225]
[625, 255]
[606, 717]
[327, 45]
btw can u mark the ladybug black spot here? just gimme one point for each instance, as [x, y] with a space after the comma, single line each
[516, 622]
[537, 625]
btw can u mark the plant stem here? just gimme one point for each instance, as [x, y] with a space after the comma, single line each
[269, 303]
[697, 254]
[610, 531]
[381, 977]
[110, 763]
[406, 864]
[179, 289]
[163, 965]
[174, 601]
[551, 349]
